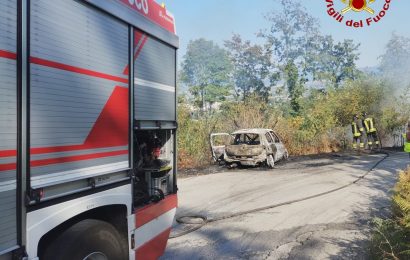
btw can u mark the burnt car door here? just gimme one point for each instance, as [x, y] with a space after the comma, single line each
[281, 150]
[271, 147]
[218, 142]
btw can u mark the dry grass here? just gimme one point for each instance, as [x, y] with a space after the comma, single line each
[391, 239]
[401, 199]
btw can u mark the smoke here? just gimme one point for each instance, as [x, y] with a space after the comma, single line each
[395, 63]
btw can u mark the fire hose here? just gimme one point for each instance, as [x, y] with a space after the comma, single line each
[200, 221]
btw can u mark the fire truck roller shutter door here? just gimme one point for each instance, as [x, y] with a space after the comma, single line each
[8, 124]
[154, 79]
[79, 93]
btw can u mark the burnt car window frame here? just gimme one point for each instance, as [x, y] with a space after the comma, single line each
[269, 138]
[275, 137]
[246, 139]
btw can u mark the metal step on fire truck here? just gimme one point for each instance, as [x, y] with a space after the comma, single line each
[87, 129]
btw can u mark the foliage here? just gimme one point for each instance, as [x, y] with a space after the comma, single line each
[401, 199]
[302, 54]
[193, 139]
[291, 33]
[403, 102]
[292, 36]
[253, 113]
[391, 239]
[335, 62]
[355, 97]
[392, 120]
[251, 67]
[206, 69]
[295, 86]
[395, 62]
[319, 127]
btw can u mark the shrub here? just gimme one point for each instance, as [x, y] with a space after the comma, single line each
[391, 238]
[401, 199]
[193, 139]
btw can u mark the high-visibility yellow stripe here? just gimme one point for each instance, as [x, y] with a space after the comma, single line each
[356, 133]
[369, 124]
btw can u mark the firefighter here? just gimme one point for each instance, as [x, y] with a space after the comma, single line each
[357, 131]
[406, 137]
[371, 131]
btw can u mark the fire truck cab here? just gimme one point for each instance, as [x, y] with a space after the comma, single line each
[87, 129]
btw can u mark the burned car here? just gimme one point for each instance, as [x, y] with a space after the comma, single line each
[248, 147]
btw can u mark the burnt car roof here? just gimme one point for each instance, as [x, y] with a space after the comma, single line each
[253, 131]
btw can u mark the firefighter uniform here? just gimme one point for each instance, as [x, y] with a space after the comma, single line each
[357, 131]
[372, 136]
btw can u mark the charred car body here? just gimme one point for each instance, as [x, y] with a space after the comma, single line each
[248, 147]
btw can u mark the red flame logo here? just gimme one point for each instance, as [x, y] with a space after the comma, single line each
[358, 6]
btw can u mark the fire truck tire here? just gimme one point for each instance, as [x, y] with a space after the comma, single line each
[87, 240]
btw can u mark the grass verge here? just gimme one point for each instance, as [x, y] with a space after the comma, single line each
[391, 237]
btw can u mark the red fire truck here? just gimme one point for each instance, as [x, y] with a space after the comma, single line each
[87, 129]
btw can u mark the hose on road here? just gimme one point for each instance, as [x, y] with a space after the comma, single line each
[199, 221]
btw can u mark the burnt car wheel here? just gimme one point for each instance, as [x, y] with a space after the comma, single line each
[270, 161]
[286, 156]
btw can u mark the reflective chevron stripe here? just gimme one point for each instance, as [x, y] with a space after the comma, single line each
[153, 226]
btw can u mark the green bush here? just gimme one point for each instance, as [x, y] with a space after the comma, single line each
[401, 199]
[193, 139]
[390, 241]
[391, 238]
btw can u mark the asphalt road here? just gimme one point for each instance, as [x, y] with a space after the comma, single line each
[333, 226]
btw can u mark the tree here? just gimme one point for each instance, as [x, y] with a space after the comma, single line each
[304, 55]
[295, 86]
[293, 38]
[251, 68]
[395, 62]
[335, 62]
[291, 31]
[206, 70]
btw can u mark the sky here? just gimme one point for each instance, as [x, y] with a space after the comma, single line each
[217, 20]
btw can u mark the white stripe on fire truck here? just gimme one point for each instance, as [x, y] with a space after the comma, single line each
[67, 176]
[154, 228]
[78, 152]
[151, 84]
[142, 41]
[7, 185]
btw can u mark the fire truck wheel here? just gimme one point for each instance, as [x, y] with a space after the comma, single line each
[87, 240]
